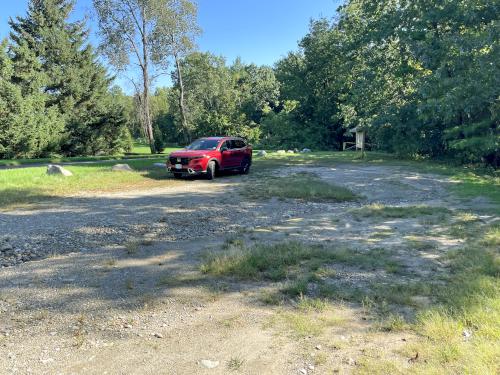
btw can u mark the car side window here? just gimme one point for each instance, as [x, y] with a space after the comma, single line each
[225, 145]
[238, 143]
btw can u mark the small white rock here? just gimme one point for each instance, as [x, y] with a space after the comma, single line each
[303, 371]
[209, 364]
[158, 335]
[318, 347]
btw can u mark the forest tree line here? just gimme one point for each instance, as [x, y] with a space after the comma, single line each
[420, 76]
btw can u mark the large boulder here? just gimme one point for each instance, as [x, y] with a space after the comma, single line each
[306, 150]
[281, 152]
[121, 168]
[159, 165]
[261, 153]
[290, 152]
[53, 169]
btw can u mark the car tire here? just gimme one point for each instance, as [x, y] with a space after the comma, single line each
[177, 175]
[211, 170]
[245, 166]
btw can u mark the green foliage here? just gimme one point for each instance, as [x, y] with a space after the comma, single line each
[29, 125]
[221, 99]
[57, 97]
[423, 83]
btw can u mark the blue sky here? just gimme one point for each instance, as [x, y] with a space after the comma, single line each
[259, 31]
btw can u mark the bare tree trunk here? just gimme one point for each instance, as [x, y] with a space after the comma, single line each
[147, 112]
[148, 126]
[182, 106]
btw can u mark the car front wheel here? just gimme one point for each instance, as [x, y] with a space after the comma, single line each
[211, 170]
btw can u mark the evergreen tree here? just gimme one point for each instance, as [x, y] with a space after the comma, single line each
[29, 127]
[72, 78]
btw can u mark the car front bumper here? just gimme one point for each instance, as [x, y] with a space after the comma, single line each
[187, 171]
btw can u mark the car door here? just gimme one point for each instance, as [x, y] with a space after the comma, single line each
[238, 152]
[226, 155]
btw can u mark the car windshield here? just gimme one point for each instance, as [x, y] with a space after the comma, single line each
[203, 144]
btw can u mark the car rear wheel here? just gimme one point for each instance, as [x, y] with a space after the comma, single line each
[245, 166]
[211, 170]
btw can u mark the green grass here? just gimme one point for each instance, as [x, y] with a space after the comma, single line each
[381, 211]
[140, 150]
[272, 262]
[304, 186]
[459, 332]
[28, 185]
[300, 264]
[235, 364]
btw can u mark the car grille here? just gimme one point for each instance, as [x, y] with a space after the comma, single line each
[184, 161]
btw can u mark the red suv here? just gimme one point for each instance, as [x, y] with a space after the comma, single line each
[210, 155]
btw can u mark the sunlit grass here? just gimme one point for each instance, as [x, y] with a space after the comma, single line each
[28, 185]
[381, 211]
[303, 186]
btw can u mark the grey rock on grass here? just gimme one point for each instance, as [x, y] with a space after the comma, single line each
[121, 168]
[53, 169]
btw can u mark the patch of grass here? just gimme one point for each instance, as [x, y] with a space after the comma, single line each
[271, 298]
[307, 322]
[305, 186]
[491, 236]
[287, 259]
[392, 323]
[301, 324]
[272, 262]
[233, 240]
[472, 185]
[29, 185]
[380, 211]
[417, 244]
[312, 304]
[231, 322]
[460, 333]
[235, 364]
[132, 247]
[381, 234]
[296, 288]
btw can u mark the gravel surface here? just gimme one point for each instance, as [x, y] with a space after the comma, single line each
[111, 283]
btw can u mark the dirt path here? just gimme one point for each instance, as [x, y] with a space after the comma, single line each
[116, 288]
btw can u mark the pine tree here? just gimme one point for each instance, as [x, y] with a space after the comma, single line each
[29, 127]
[73, 79]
